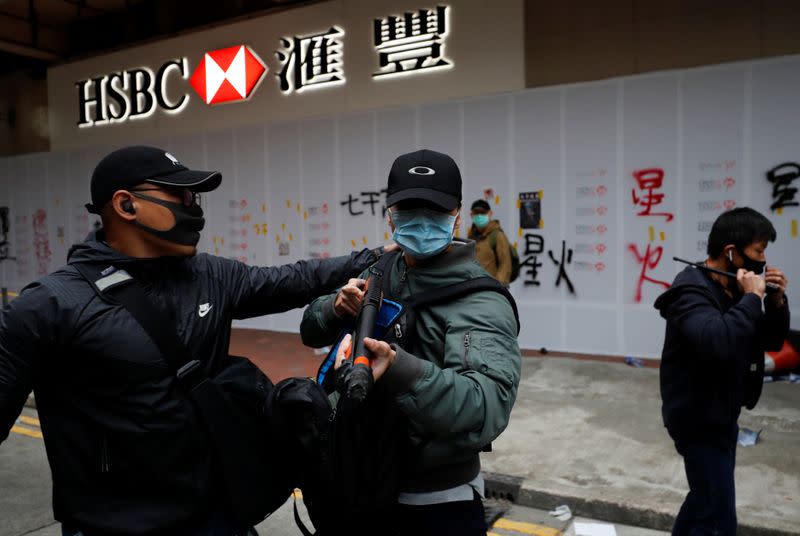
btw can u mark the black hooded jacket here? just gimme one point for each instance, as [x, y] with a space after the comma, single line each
[124, 448]
[713, 358]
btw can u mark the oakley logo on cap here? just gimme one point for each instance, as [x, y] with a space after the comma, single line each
[173, 159]
[421, 170]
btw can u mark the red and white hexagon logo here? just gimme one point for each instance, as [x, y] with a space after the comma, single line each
[227, 75]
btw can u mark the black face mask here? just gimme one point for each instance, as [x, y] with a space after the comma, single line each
[189, 222]
[752, 265]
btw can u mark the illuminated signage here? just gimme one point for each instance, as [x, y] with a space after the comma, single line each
[131, 94]
[412, 42]
[311, 61]
[227, 75]
[405, 45]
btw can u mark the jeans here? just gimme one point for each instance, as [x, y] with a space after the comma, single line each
[710, 506]
[461, 518]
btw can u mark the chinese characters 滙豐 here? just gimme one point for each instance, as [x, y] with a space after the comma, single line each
[411, 42]
[311, 61]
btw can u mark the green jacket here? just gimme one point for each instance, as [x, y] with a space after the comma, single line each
[459, 386]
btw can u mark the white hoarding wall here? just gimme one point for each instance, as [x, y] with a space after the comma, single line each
[599, 184]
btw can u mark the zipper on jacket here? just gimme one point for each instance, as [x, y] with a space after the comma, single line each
[105, 464]
[398, 331]
[467, 337]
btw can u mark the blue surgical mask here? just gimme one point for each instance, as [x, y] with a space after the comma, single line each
[480, 220]
[422, 232]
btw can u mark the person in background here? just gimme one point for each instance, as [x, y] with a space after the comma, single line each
[718, 329]
[492, 247]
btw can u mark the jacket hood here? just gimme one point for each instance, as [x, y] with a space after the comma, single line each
[689, 277]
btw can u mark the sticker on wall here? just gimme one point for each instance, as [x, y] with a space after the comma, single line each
[530, 210]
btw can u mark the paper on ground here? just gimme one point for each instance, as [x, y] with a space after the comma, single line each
[594, 529]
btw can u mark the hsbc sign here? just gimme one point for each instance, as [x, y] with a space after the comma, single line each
[405, 44]
[131, 94]
[225, 75]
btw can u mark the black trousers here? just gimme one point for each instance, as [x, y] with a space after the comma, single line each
[216, 525]
[461, 518]
[710, 506]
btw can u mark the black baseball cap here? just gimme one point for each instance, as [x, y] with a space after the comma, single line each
[425, 175]
[480, 204]
[130, 166]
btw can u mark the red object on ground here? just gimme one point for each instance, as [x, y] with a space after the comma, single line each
[787, 358]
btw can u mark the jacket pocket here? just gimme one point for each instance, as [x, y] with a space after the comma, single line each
[493, 355]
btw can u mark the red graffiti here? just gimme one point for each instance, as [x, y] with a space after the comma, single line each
[648, 261]
[649, 180]
[41, 242]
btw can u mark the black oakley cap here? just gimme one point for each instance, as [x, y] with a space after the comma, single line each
[425, 175]
[127, 167]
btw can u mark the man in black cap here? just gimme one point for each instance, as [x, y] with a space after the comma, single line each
[453, 374]
[126, 451]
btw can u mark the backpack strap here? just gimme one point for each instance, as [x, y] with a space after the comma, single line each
[384, 264]
[493, 240]
[118, 286]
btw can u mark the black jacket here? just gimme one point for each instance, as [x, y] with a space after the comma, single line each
[713, 358]
[125, 450]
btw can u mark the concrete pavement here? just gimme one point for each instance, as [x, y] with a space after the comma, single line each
[589, 434]
[583, 433]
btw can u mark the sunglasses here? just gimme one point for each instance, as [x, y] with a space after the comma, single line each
[188, 197]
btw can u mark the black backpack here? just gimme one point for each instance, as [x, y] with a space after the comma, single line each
[351, 458]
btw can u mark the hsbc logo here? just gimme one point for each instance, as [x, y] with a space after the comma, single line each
[130, 94]
[225, 75]
[228, 75]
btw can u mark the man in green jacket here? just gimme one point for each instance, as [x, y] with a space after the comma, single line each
[458, 386]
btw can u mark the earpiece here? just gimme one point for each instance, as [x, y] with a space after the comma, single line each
[127, 206]
[730, 255]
